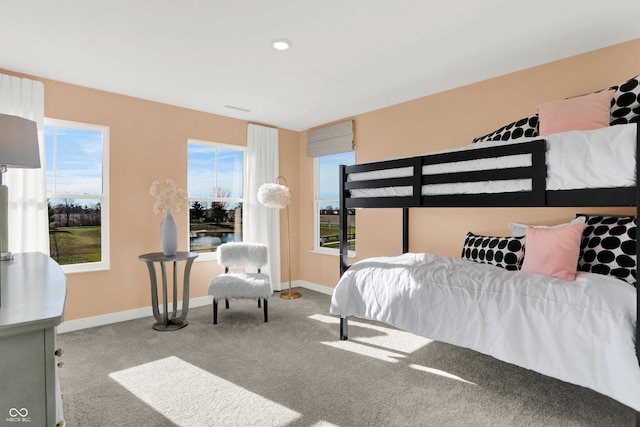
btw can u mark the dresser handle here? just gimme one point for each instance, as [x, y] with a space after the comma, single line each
[60, 364]
[59, 352]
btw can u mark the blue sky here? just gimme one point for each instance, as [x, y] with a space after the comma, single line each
[77, 163]
[202, 163]
[329, 176]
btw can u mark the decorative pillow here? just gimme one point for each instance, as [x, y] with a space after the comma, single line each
[625, 106]
[519, 230]
[609, 247]
[553, 251]
[585, 112]
[525, 127]
[505, 252]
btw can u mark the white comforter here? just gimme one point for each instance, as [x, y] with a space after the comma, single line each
[581, 332]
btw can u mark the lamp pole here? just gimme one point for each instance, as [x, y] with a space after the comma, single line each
[288, 294]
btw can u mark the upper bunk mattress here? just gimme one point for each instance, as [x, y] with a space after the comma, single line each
[602, 158]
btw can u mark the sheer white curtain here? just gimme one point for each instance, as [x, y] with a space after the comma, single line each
[262, 224]
[28, 216]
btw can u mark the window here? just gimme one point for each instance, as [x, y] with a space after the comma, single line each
[76, 158]
[215, 183]
[327, 203]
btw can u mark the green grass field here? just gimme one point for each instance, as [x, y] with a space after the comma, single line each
[331, 236]
[75, 245]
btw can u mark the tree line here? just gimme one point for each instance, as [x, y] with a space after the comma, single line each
[216, 213]
[68, 213]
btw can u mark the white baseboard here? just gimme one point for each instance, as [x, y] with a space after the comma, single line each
[313, 286]
[121, 316]
[138, 313]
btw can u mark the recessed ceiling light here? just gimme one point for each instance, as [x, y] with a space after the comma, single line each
[281, 44]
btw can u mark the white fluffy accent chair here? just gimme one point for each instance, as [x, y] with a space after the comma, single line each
[246, 284]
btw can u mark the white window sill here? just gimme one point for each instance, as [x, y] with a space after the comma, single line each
[84, 268]
[332, 252]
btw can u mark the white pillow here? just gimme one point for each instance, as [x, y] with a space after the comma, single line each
[519, 230]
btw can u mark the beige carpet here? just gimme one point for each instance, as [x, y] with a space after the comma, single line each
[293, 371]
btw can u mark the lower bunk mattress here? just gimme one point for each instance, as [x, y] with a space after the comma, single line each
[581, 332]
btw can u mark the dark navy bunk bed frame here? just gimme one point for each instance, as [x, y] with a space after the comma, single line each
[537, 197]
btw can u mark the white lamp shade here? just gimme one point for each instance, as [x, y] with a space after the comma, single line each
[274, 195]
[18, 142]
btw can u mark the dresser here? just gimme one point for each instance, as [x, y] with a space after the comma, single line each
[33, 291]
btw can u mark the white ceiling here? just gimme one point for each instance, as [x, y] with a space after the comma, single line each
[348, 56]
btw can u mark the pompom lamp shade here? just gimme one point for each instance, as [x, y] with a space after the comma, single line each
[274, 195]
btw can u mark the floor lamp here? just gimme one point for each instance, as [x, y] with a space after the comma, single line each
[18, 149]
[278, 196]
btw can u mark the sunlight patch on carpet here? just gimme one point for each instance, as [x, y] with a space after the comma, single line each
[440, 373]
[390, 338]
[191, 397]
[324, 424]
[376, 353]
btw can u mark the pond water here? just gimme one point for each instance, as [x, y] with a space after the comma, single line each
[211, 238]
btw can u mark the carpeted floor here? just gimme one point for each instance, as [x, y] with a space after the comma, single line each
[293, 371]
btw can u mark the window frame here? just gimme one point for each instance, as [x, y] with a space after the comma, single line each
[208, 256]
[105, 246]
[316, 213]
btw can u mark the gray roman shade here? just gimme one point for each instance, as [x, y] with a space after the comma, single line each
[332, 139]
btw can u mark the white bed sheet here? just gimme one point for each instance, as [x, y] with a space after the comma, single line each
[580, 332]
[601, 158]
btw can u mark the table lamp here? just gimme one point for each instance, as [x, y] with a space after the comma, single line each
[18, 149]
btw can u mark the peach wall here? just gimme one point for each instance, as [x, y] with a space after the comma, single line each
[148, 141]
[452, 119]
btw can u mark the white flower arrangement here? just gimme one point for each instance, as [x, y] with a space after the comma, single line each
[168, 199]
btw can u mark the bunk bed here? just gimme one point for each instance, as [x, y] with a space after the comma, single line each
[451, 179]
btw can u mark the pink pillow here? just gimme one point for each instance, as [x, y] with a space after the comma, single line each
[580, 113]
[553, 251]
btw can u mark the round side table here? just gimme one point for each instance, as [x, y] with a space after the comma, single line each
[165, 321]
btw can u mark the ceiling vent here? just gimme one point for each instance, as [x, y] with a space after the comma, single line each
[233, 107]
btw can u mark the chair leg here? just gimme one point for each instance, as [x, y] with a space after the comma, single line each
[215, 311]
[266, 316]
[259, 303]
[226, 301]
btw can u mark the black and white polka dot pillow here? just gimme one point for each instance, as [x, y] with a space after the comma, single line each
[525, 127]
[505, 252]
[609, 247]
[625, 106]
